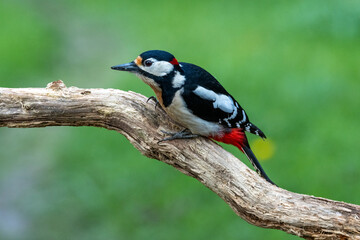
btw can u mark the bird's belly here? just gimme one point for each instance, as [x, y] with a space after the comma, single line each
[178, 111]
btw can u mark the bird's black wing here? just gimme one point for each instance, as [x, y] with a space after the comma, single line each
[200, 93]
[208, 100]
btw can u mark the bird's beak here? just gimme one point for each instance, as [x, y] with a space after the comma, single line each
[128, 67]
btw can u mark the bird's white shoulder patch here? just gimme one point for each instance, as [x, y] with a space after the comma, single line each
[225, 103]
[178, 80]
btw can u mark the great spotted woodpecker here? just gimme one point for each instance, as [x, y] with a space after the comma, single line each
[196, 100]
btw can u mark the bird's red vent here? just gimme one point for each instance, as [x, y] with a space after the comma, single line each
[235, 137]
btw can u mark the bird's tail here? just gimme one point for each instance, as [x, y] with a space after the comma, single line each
[238, 138]
[251, 156]
[251, 128]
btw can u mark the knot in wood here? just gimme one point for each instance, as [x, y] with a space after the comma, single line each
[56, 85]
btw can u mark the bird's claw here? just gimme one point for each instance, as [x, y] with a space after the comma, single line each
[183, 134]
[151, 98]
[154, 99]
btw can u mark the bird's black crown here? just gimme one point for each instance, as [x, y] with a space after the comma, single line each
[158, 55]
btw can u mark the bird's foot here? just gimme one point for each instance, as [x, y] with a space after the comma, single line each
[184, 134]
[155, 100]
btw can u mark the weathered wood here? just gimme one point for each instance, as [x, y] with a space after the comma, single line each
[251, 197]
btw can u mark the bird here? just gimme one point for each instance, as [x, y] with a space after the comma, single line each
[192, 97]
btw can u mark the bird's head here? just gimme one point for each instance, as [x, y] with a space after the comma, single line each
[153, 67]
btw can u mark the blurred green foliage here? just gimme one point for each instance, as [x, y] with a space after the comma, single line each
[293, 65]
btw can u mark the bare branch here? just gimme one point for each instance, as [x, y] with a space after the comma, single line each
[251, 197]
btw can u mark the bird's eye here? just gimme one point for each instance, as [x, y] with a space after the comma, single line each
[148, 63]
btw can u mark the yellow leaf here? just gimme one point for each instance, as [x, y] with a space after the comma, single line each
[263, 150]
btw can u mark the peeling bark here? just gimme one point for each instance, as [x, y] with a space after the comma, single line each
[250, 196]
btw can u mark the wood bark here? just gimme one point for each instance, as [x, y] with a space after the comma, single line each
[250, 197]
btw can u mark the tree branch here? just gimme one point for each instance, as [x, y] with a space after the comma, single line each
[251, 197]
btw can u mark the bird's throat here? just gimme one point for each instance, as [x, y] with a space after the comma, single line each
[158, 94]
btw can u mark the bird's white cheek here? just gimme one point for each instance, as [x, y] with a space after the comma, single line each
[159, 69]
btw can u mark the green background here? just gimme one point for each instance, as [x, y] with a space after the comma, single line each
[293, 65]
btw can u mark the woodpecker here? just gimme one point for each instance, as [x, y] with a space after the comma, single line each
[192, 97]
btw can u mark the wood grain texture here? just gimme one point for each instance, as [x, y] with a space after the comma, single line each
[250, 197]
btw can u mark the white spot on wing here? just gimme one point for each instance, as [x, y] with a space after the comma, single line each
[227, 122]
[244, 117]
[247, 127]
[233, 115]
[225, 103]
[178, 80]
